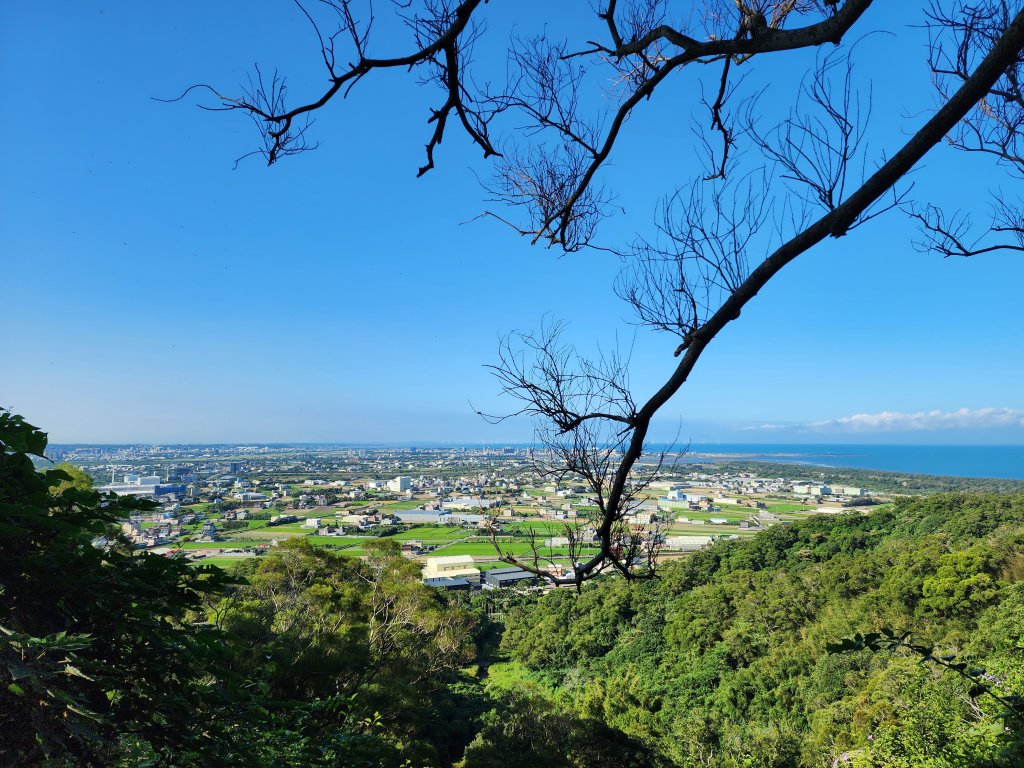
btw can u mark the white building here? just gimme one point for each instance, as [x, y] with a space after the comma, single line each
[557, 541]
[812, 490]
[247, 496]
[144, 480]
[453, 567]
[467, 502]
[687, 543]
[400, 484]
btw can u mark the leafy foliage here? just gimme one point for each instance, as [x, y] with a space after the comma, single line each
[115, 657]
[93, 639]
[724, 661]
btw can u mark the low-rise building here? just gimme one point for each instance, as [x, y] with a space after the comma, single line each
[452, 567]
[501, 578]
[811, 490]
[687, 543]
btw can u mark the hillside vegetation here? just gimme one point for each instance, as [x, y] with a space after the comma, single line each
[723, 660]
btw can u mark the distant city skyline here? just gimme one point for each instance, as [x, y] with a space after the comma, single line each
[155, 294]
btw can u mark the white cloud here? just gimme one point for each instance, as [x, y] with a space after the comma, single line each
[895, 421]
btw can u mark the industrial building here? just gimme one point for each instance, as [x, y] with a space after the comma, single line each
[452, 567]
[500, 578]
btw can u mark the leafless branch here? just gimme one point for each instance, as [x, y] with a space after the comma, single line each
[951, 234]
[443, 36]
[555, 183]
[720, 246]
[719, 242]
[676, 282]
[960, 37]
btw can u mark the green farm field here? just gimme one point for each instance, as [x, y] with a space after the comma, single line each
[486, 549]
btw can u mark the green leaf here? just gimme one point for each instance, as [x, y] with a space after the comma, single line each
[75, 672]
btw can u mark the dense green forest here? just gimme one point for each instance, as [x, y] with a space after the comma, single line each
[723, 660]
[305, 658]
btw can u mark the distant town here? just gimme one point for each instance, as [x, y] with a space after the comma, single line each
[450, 509]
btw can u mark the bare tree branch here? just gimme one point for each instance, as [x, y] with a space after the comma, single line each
[950, 234]
[720, 241]
[443, 36]
[585, 448]
[960, 37]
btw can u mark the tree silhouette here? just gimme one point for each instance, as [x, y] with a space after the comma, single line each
[724, 234]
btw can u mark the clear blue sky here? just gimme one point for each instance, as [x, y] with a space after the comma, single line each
[153, 292]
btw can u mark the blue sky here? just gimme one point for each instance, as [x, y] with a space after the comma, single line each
[154, 292]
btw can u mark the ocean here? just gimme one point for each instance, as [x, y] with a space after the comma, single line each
[997, 461]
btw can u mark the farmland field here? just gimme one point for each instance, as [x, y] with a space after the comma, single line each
[777, 507]
[432, 533]
[266, 534]
[486, 549]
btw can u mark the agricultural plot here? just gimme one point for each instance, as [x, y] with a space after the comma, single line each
[393, 506]
[783, 507]
[432, 533]
[432, 536]
[682, 529]
[541, 527]
[289, 528]
[517, 548]
[338, 542]
[266, 534]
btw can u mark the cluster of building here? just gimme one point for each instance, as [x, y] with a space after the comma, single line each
[156, 534]
[459, 572]
[845, 491]
[149, 486]
[474, 489]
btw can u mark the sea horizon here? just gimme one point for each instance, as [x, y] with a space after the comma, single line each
[975, 461]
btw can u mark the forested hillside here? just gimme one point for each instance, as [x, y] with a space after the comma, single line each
[306, 658]
[723, 661]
